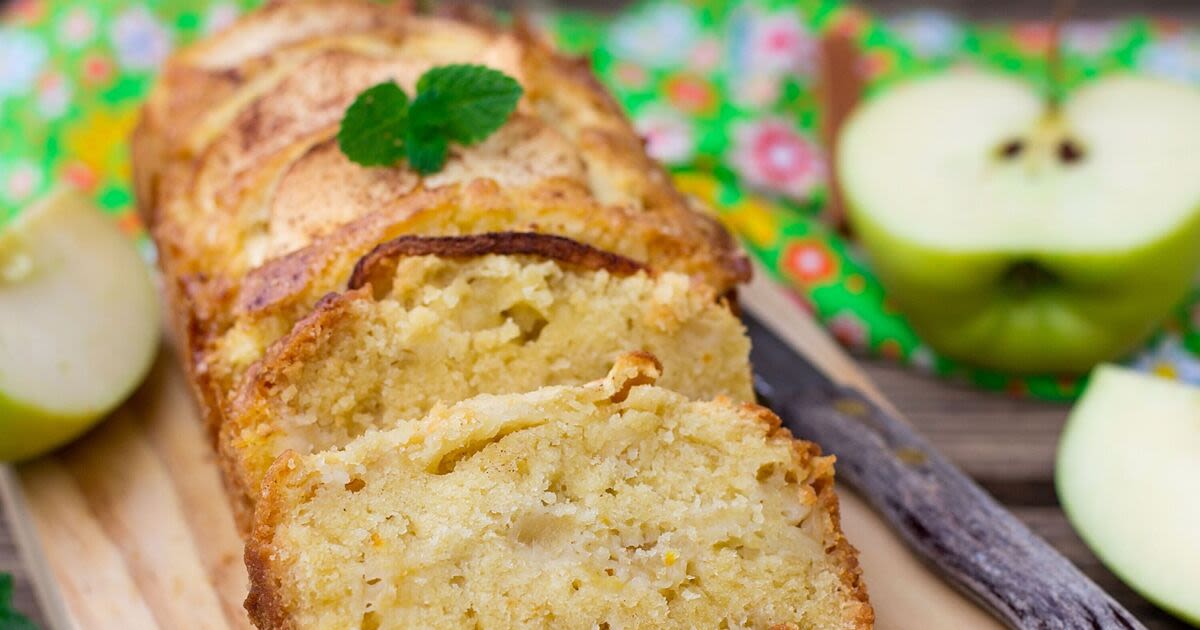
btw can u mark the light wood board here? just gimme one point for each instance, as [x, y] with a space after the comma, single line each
[129, 527]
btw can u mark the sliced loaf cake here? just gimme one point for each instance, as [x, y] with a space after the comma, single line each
[440, 319]
[257, 214]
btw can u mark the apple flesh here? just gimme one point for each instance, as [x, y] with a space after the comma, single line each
[1024, 237]
[80, 323]
[1127, 470]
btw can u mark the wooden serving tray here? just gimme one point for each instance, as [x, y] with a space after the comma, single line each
[129, 527]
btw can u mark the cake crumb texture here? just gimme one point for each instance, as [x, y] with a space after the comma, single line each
[611, 505]
[428, 328]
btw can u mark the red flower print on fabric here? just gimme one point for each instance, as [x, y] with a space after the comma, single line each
[782, 43]
[849, 330]
[772, 155]
[97, 69]
[631, 75]
[691, 94]
[810, 262]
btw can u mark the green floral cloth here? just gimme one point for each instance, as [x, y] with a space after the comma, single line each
[72, 75]
[722, 91]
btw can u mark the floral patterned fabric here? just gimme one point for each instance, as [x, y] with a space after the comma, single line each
[722, 91]
[72, 75]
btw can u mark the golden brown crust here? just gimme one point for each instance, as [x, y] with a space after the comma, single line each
[844, 555]
[196, 83]
[264, 603]
[284, 352]
[382, 259]
[261, 98]
[279, 281]
[807, 456]
[306, 333]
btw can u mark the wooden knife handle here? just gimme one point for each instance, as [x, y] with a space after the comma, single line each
[946, 518]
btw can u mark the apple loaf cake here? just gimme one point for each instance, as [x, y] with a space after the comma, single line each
[420, 351]
[565, 507]
[257, 214]
[432, 319]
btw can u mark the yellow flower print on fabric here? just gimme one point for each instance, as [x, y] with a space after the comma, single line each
[754, 220]
[98, 141]
[751, 218]
[700, 186]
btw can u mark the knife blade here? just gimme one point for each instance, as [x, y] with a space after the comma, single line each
[940, 513]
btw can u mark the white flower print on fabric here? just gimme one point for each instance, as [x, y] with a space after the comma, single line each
[771, 44]
[850, 330]
[1090, 38]
[931, 34]
[140, 41]
[220, 16]
[77, 27]
[755, 91]
[53, 95]
[1169, 358]
[21, 181]
[22, 57]
[923, 358]
[660, 36]
[669, 135]
[1175, 57]
[705, 55]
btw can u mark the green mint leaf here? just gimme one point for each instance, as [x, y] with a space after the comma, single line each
[465, 103]
[373, 129]
[460, 103]
[426, 150]
[10, 619]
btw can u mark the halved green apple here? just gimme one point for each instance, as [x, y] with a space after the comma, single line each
[79, 323]
[1128, 467]
[1022, 236]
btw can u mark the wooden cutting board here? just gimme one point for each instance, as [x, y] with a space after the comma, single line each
[129, 528]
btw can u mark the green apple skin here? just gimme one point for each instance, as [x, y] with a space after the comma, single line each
[82, 324]
[1103, 308]
[26, 431]
[1126, 474]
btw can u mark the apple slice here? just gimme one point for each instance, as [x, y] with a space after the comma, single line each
[80, 323]
[1128, 466]
[1023, 236]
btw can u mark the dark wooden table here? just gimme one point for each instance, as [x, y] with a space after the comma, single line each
[1006, 444]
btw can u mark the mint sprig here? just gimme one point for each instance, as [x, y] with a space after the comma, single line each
[372, 132]
[10, 619]
[461, 103]
[426, 151]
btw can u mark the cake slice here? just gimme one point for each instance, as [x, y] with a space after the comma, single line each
[616, 504]
[430, 319]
